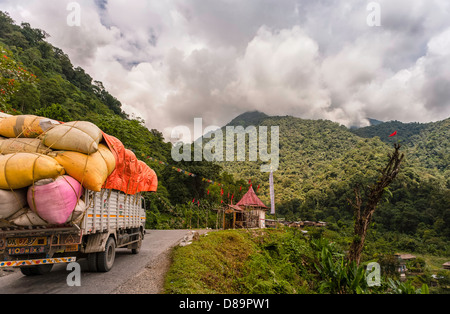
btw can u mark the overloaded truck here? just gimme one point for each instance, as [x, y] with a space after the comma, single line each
[67, 191]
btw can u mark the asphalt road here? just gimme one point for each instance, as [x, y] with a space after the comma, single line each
[126, 266]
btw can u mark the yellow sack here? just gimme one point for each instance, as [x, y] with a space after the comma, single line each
[4, 115]
[25, 126]
[23, 169]
[78, 136]
[108, 157]
[23, 145]
[90, 170]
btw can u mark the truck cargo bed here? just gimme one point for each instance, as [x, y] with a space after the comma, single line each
[112, 210]
[109, 213]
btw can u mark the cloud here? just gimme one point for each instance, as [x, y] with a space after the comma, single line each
[171, 61]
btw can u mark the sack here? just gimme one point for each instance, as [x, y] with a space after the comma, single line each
[22, 169]
[77, 215]
[108, 157]
[78, 136]
[90, 170]
[4, 115]
[55, 202]
[23, 145]
[11, 202]
[25, 126]
[27, 218]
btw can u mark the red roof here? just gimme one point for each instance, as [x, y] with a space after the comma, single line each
[235, 207]
[250, 199]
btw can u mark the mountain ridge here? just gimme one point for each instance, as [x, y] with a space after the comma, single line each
[322, 161]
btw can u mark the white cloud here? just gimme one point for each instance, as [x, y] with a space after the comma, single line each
[170, 61]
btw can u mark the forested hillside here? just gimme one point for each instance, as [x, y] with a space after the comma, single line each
[321, 162]
[428, 142]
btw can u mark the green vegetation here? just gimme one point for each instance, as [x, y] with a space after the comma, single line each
[276, 261]
[320, 164]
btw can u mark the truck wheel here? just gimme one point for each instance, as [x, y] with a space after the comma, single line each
[36, 270]
[105, 260]
[92, 262]
[137, 246]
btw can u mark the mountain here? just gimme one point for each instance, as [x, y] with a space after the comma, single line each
[248, 118]
[405, 131]
[374, 121]
[320, 162]
[307, 148]
[427, 142]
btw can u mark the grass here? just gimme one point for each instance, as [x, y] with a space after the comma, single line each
[263, 261]
[238, 261]
[210, 265]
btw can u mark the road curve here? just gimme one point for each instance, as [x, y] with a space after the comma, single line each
[126, 266]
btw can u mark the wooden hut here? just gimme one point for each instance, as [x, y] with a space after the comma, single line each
[253, 211]
[446, 265]
[402, 259]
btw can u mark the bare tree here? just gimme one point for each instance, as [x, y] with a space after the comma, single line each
[363, 210]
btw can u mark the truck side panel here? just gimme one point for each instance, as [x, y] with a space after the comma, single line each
[112, 210]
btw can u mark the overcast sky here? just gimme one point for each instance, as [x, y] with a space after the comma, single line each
[170, 61]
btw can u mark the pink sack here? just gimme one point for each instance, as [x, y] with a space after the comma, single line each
[54, 202]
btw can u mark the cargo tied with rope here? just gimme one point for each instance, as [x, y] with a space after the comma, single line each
[45, 165]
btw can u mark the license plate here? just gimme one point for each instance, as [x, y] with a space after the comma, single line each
[72, 248]
[26, 250]
[32, 241]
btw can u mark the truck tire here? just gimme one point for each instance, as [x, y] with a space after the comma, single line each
[36, 270]
[92, 262]
[137, 246]
[105, 260]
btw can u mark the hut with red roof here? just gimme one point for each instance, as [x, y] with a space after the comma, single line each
[252, 213]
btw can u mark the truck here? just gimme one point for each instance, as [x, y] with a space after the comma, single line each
[111, 220]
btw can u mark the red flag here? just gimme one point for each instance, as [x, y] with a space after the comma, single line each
[395, 133]
[240, 188]
[221, 201]
[208, 192]
[221, 191]
[193, 200]
[232, 196]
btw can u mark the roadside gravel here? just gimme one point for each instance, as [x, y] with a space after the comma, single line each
[151, 279]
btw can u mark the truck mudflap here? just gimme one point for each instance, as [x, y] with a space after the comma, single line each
[33, 262]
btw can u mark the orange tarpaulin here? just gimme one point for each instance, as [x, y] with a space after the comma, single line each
[131, 175]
